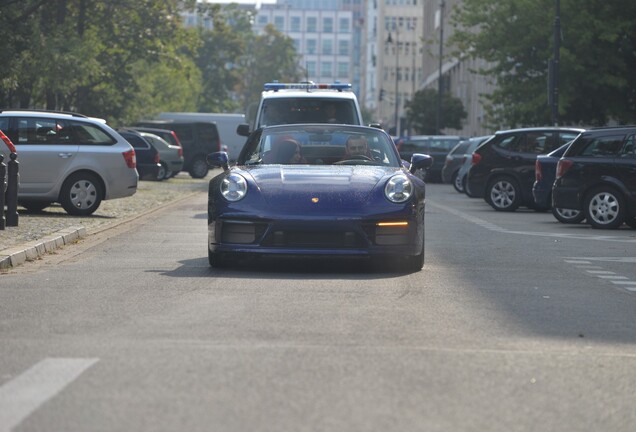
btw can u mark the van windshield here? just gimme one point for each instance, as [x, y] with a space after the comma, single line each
[295, 110]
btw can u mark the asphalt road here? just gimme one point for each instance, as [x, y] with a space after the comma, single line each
[516, 323]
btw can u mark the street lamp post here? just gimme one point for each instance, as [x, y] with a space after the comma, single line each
[554, 78]
[440, 85]
[397, 71]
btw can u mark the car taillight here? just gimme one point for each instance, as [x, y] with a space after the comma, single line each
[130, 158]
[538, 175]
[476, 158]
[156, 159]
[563, 166]
[176, 138]
[180, 151]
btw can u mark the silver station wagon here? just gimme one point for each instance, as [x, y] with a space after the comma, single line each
[68, 158]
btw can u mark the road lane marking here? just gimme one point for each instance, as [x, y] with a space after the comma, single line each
[24, 394]
[492, 227]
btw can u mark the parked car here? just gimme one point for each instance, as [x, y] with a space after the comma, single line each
[148, 161]
[545, 174]
[170, 156]
[436, 146]
[454, 160]
[502, 170]
[597, 176]
[68, 158]
[198, 139]
[460, 180]
[347, 195]
[226, 124]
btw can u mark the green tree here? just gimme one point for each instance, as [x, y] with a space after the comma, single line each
[421, 112]
[268, 57]
[82, 55]
[515, 38]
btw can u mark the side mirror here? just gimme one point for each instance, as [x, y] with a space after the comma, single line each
[420, 161]
[218, 160]
[243, 129]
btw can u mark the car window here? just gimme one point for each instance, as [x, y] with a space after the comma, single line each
[602, 147]
[441, 145]
[184, 132]
[317, 145]
[629, 149]
[207, 132]
[535, 142]
[85, 134]
[4, 125]
[277, 111]
[136, 141]
[566, 137]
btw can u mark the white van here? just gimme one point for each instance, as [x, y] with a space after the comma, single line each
[225, 123]
[306, 102]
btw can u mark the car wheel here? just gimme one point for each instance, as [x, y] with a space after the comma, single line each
[199, 168]
[568, 216]
[503, 194]
[81, 194]
[458, 184]
[168, 174]
[161, 172]
[604, 208]
[34, 206]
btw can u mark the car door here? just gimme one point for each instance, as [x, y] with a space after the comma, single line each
[626, 166]
[46, 149]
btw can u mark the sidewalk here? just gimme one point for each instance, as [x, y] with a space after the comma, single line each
[41, 233]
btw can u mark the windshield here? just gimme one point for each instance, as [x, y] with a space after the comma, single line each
[294, 110]
[320, 145]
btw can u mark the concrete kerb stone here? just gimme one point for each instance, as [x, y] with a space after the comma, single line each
[18, 255]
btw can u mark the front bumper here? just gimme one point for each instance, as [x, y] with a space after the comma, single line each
[351, 237]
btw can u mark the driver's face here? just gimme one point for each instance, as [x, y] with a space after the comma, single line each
[357, 146]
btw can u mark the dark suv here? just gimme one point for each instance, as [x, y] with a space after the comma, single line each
[436, 146]
[503, 167]
[597, 175]
[198, 139]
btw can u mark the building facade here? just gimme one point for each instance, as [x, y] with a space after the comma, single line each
[325, 34]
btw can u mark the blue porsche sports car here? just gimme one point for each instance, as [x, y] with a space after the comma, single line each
[309, 189]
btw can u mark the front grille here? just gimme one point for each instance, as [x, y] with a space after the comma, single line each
[314, 239]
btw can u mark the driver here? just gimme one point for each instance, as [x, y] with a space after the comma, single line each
[356, 146]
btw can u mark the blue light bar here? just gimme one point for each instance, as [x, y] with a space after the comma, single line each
[275, 86]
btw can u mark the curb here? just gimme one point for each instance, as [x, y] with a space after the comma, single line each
[18, 255]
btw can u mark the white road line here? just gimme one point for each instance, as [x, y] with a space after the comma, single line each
[577, 262]
[624, 282]
[24, 394]
[492, 227]
[611, 277]
[600, 272]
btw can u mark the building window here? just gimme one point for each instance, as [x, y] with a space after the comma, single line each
[311, 46]
[326, 69]
[344, 25]
[279, 23]
[312, 24]
[343, 47]
[295, 24]
[327, 46]
[327, 25]
[311, 68]
[343, 70]
[262, 20]
[297, 44]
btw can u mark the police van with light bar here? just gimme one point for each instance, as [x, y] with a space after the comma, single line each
[307, 102]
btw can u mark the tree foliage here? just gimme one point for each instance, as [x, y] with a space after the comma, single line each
[516, 39]
[421, 112]
[126, 59]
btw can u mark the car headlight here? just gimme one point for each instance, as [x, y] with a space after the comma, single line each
[398, 189]
[233, 187]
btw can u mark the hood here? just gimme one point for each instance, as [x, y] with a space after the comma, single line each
[345, 186]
